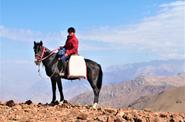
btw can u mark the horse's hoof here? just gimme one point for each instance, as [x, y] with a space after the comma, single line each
[61, 102]
[53, 103]
[95, 105]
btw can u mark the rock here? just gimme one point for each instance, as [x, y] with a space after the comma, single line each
[10, 103]
[178, 101]
[17, 107]
[101, 118]
[128, 117]
[110, 110]
[119, 119]
[120, 113]
[67, 112]
[171, 118]
[110, 119]
[163, 115]
[82, 116]
[137, 119]
[1, 103]
[147, 110]
[28, 102]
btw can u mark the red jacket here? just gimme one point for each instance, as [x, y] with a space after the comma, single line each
[71, 45]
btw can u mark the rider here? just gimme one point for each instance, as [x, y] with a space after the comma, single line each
[70, 47]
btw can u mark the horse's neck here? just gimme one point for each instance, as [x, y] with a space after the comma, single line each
[48, 60]
[47, 52]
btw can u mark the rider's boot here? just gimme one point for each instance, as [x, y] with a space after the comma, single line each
[63, 70]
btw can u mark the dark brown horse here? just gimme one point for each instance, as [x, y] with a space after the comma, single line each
[53, 68]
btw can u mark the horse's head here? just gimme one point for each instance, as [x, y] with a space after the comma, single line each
[39, 50]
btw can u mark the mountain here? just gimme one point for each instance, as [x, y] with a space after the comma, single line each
[124, 93]
[172, 100]
[31, 112]
[130, 71]
[26, 83]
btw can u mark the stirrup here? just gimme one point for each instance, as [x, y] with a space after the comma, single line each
[61, 73]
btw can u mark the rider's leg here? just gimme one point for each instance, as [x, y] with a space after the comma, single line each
[63, 60]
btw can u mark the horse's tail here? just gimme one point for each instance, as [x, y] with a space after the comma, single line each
[100, 77]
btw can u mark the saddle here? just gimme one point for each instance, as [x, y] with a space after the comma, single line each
[75, 67]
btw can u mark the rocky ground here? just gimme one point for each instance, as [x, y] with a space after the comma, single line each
[30, 112]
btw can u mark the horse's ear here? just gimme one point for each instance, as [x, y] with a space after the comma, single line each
[41, 43]
[34, 43]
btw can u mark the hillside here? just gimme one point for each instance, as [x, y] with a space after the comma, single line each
[23, 112]
[124, 93]
[152, 68]
[169, 100]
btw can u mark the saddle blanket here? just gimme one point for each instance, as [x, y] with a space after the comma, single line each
[77, 67]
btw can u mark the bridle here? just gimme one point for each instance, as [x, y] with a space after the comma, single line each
[41, 57]
[38, 57]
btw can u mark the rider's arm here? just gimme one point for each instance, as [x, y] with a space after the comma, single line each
[74, 49]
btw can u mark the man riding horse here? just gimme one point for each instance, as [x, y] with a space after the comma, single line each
[70, 48]
[54, 66]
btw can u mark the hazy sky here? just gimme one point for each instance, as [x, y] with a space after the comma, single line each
[110, 32]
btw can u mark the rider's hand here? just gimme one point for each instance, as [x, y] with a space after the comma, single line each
[66, 55]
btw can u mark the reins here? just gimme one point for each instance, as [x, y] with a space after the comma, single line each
[52, 52]
[42, 58]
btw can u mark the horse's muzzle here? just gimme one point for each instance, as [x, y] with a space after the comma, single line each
[37, 62]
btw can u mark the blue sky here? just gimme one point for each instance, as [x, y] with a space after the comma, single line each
[23, 22]
[46, 15]
[105, 29]
[110, 32]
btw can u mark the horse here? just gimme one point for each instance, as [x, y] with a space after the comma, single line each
[53, 66]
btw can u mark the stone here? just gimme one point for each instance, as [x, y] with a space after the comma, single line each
[10, 103]
[110, 110]
[17, 107]
[127, 117]
[101, 118]
[82, 116]
[137, 119]
[1, 103]
[46, 113]
[28, 102]
[163, 115]
[120, 113]
[110, 119]
[119, 119]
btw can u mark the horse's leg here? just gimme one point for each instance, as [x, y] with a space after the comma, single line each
[59, 83]
[53, 82]
[96, 96]
[95, 80]
[96, 90]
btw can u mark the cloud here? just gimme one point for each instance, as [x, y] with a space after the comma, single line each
[161, 34]
[27, 35]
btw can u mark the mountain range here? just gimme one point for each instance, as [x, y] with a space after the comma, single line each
[38, 89]
[172, 100]
[126, 93]
[126, 72]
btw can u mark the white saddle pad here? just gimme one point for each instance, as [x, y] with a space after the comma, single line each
[77, 67]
